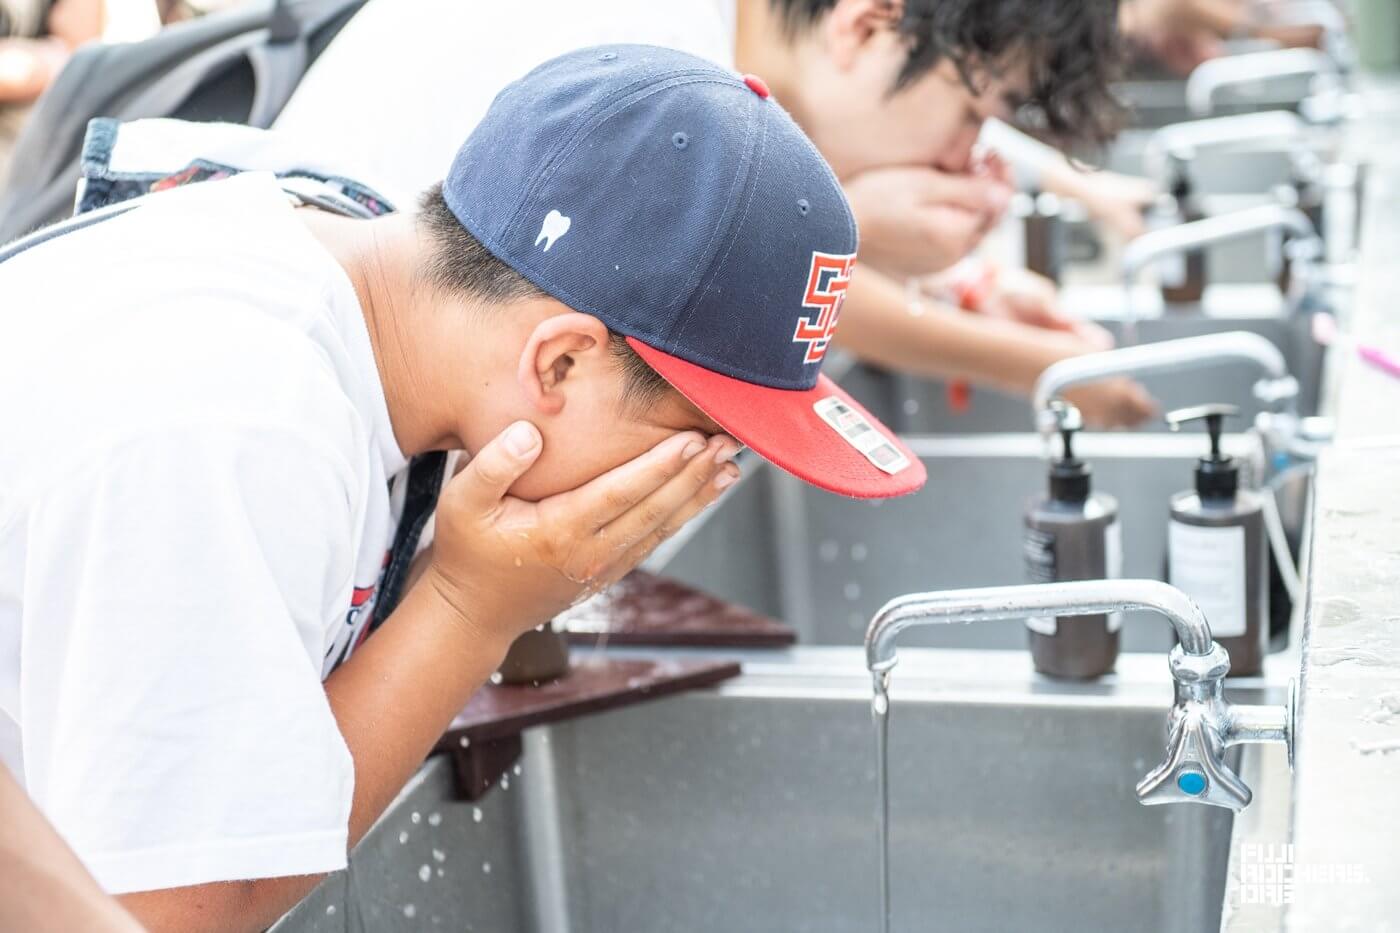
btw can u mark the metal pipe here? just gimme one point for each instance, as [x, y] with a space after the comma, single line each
[1256, 724]
[1155, 244]
[1272, 126]
[1211, 77]
[1176, 355]
[1085, 597]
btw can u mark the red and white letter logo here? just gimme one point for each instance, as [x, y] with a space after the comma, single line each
[826, 291]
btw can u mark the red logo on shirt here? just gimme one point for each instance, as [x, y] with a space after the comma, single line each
[826, 292]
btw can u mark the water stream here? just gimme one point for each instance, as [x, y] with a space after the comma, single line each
[880, 710]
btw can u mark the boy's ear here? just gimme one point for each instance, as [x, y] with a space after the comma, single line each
[851, 24]
[550, 354]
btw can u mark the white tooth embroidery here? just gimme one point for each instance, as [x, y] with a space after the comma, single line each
[555, 225]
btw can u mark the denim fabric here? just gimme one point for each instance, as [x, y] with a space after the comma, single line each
[101, 186]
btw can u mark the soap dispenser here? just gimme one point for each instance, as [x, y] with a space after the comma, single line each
[1183, 275]
[1072, 534]
[1218, 550]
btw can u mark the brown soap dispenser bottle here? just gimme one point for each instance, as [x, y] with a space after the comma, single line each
[1073, 534]
[1217, 548]
[1184, 275]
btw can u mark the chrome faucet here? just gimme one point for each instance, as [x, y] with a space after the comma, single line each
[1210, 78]
[1202, 724]
[1277, 388]
[1275, 127]
[1152, 246]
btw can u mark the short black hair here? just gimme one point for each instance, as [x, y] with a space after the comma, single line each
[460, 265]
[1073, 48]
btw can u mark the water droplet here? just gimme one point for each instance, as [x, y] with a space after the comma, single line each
[403, 838]
[859, 552]
[439, 855]
[424, 873]
[911, 406]
[517, 769]
[829, 551]
[496, 678]
[434, 819]
[881, 704]
[409, 910]
[505, 782]
[464, 742]
[416, 817]
[852, 591]
[330, 911]
[441, 873]
[486, 868]
[476, 814]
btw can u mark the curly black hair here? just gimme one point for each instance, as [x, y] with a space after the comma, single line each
[1073, 49]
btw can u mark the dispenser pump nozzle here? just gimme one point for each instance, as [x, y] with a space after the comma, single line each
[1217, 475]
[1069, 477]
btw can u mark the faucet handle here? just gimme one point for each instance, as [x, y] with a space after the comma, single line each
[1195, 769]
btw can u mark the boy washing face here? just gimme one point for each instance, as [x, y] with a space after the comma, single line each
[635, 263]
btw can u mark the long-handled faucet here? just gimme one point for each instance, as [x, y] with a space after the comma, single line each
[1277, 388]
[1280, 128]
[1210, 78]
[1202, 723]
[1222, 228]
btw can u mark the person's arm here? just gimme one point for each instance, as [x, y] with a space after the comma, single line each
[1112, 198]
[878, 326]
[27, 66]
[43, 886]
[500, 567]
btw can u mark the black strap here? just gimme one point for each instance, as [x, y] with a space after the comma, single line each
[424, 483]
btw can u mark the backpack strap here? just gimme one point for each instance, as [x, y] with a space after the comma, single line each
[161, 77]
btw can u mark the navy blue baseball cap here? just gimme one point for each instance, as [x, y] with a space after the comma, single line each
[680, 205]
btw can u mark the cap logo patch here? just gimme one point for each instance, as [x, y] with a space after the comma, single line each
[826, 292]
[555, 225]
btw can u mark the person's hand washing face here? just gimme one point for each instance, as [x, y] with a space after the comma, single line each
[920, 221]
[502, 562]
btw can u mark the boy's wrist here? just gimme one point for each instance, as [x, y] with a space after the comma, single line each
[473, 624]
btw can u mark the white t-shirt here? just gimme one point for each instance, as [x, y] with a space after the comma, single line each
[192, 502]
[406, 81]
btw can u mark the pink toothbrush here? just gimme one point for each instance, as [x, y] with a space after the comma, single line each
[1326, 332]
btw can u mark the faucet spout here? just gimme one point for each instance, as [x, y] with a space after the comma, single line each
[1211, 77]
[1273, 127]
[1202, 724]
[1174, 355]
[1084, 597]
[1156, 244]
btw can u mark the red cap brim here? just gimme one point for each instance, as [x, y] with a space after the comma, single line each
[783, 426]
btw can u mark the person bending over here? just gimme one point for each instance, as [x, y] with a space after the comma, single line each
[894, 94]
[636, 263]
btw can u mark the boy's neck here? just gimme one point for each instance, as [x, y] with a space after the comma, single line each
[764, 46]
[422, 390]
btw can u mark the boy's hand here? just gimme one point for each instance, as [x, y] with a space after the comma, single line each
[1029, 298]
[506, 565]
[1113, 403]
[918, 221]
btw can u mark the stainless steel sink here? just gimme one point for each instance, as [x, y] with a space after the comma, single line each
[825, 564]
[920, 406]
[750, 808]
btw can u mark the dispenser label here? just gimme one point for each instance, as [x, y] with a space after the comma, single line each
[1208, 565]
[1038, 547]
